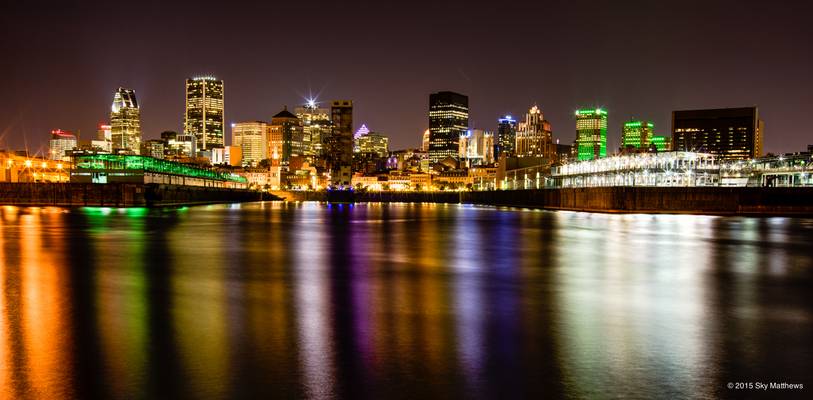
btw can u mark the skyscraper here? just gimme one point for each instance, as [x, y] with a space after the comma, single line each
[285, 136]
[125, 121]
[315, 128]
[637, 134]
[730, 133]
[61, 141]
[506, 137]
[477, 147]
[340, 143]
[251, 138]
[204, 112]
[373, 143]
[448, 120]
[534, 136]
[591, 133]
[425, 141]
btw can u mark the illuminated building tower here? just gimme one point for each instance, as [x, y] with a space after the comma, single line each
[425, 141]
[591, 133]
[660, 143]
[340, 143]
[103, 133]
[373, 143]
[251, 138]
[204, 112]
[61, 141]
[125, 122]
[534, 136]
[315, 128]
[477, 147]
[284, 136]
[448, 120]
[361, 132]
[730, 133]
[636, 134]
[506, 137]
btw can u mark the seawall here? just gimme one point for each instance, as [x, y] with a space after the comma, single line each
[672, 200]
[119, 194]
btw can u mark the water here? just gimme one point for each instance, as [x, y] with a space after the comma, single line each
[399, 301]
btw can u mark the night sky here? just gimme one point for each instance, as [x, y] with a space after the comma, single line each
[61, 63]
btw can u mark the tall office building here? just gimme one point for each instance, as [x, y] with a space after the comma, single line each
[251, 138]
[340, 142]
[591, 133]
[360, 132]
[284, 136]
[315, 128]
[425, 141]
[373, 143]
[506, 137]
[730, 133]
[204, 112]
[534, 136]
[61, 141]
[125, 121]
[477, 147]
[448, 120]
[660, 143]
[637, 134]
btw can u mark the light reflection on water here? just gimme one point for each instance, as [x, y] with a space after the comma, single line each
[398, 301]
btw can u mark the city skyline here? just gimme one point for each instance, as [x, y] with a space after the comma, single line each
[725, 63]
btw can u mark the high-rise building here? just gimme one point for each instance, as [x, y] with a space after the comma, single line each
[154, 148]
[284, 136]
[534, 136]
[373, 143]
[425, 141]
[340, 143]
[61, 141]
[448, 120]
[360, 132]
[637, 134]
[660, 143]
[103, 132]
[125, 121]
[204, 112]
[477, 147]
[251, 138]
[315, 128]
[730, 133]
[591, 133]
[506, 137]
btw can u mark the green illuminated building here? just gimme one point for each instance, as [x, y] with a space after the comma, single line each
[112, 168]
[591, 133]
[637, 134]
[659, 142]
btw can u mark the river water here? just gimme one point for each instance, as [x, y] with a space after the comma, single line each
[308, 300]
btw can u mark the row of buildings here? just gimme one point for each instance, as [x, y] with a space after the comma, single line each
[314, 146]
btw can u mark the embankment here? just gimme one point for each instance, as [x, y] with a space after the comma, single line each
[672, 200]
[120, 194]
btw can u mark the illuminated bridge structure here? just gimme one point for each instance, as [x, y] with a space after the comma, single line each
[115, 168]
[645, 169]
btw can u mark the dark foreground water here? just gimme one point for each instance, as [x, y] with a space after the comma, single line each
[272, 300]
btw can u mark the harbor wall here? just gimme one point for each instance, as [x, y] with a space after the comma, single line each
[672, 200]
[119, 194]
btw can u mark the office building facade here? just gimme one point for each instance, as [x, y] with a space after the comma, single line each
[729, 133]
[448, 120]
[506, 137]
[315, 128]
[125, 122]
[284, 136]
[61, 142]
[339, 154]
[591, 133]
[205, 112]
[636, 134]
[534, 136]
[251, 138]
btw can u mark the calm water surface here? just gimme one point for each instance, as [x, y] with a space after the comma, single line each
[377, 301]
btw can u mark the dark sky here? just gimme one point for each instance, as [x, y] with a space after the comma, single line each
[59, 64]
